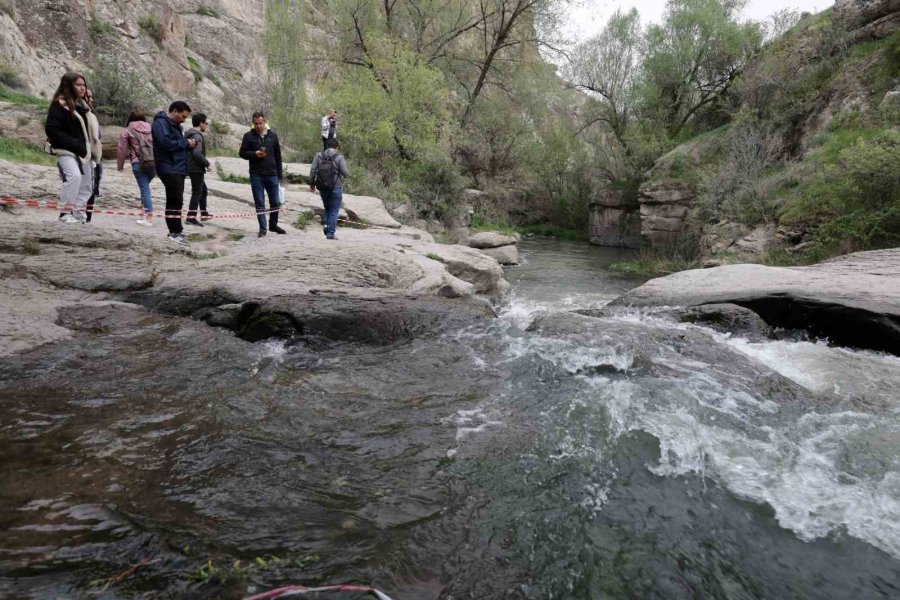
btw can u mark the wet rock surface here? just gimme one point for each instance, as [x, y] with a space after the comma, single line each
[853, 300]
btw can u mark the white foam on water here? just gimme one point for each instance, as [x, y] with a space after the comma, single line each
[840, 372]
[796, 468]
[570, 357]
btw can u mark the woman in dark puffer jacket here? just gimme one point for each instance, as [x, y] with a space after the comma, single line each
[75, 143]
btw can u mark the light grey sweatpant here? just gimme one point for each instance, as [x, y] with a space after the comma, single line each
[77, 183]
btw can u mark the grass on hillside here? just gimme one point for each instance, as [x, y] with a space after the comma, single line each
[19, 151]
[15, 97]
[220, 171]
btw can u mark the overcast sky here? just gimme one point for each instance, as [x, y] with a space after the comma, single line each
[590, 17]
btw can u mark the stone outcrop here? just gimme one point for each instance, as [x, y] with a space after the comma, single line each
[856, 13]
[615, 219]
[499, 246]
[373, 285]
[667, 212]
[209, 55]
[853, 300]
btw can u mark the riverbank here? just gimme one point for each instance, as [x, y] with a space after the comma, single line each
[377, 282]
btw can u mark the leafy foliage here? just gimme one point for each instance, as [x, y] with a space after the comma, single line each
[118, 90]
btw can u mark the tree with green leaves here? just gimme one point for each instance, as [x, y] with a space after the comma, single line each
[693, 58]
[286, 68]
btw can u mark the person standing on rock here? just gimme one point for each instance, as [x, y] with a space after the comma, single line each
[329, 128]
[198, 166]
[260, 146]
[77, 149]
[326, 174]
[136, 146]
[171, 153]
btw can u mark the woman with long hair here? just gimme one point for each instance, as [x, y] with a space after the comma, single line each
[75, 145]
[136, 145]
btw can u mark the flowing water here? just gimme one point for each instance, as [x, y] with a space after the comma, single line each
[543, 455]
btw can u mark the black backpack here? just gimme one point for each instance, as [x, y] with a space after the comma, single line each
[327, 173]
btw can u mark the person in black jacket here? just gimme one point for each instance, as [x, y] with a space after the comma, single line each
[171, 152]
[198, 166]
[260, 146]
[75, 146]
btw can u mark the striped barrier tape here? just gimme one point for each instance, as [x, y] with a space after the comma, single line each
[56, 206]
[297, 590]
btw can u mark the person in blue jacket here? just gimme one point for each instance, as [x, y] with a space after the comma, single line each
[171, 153]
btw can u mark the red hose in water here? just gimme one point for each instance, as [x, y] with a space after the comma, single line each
[296, 590]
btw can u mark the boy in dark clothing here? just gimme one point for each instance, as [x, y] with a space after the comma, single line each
[198, 165]
[261, 148]
[171, 152]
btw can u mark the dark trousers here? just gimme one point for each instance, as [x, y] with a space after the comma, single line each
[199, 193]
[324, 143]
[174, 185]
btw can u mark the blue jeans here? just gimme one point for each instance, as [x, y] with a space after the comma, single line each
[261, 185]
[331, 201]
[144, 176]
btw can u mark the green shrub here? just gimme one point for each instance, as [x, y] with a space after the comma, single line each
[195, 68]
[220, 171]
[220, 127]
[19, 151]
[118, 90]
[100, 28]
[208, 11]
[151, 25]
[9, 76]
[304, 219]
[739, 190]
[857, 198]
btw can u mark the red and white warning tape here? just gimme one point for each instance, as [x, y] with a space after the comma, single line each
[54, 205]
[296, 590]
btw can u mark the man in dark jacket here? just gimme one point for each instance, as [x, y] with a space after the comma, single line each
[260, 146]
[171, 152]
[198, 165]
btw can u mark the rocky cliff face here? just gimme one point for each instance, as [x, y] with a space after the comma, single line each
[208, 54]
[668, 198]
[615, 219]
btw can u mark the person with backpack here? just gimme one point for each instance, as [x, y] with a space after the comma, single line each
[326, 174]
[171, 153]
[136, 145]
[75, 144]
[261, 148]
[198, 165]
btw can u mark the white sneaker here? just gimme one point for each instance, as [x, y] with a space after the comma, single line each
[68, 218]
[79, 217]
[179, 239]
[144, 222]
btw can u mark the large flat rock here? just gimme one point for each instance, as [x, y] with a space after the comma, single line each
[373, 283]
[853, 300]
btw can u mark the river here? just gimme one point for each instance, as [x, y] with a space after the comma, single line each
[543, 455]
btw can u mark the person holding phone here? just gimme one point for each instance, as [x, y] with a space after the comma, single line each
[261, 148]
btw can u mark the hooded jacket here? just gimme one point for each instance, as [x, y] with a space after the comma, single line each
[271, 163]
[170, 148]
[73, 133]
[130, 144]
[198, 162]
